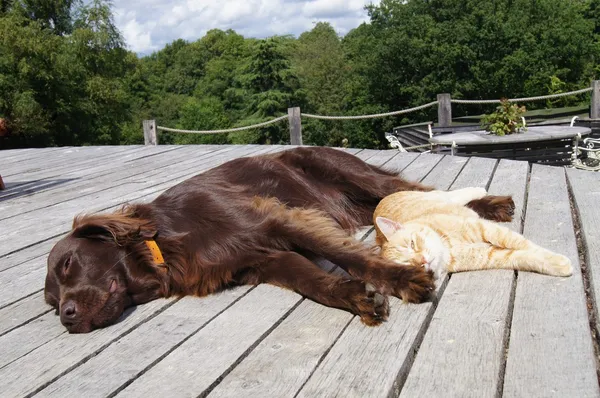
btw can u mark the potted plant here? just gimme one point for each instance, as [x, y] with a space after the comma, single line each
[507, 119]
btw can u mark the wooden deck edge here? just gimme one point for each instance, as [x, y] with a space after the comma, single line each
[583, 253]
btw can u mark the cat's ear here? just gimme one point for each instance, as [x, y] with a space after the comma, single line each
[387, 227]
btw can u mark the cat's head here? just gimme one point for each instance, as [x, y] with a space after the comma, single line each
[412, 244]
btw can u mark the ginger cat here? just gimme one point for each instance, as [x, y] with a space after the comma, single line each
[436, 230]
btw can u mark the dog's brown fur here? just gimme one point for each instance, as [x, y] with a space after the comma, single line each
[249, 221]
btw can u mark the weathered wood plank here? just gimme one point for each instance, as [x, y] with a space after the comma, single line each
[22, 281]
[38, 177]
[282, 362]
[28, 254]
[366, 154]
[462, 353]
[350, 150]
[22, 312]
[48, 181]
[382, 157]
[193, 366]
[113, 368]
[17, 155]
[19, 342]
[370, 361]
[476, 173]
[33, 371]
[101, 165]
[550, 351]
[586, 196]
[84, 182]
[422, 165]
[400, 161]
[79, 156]
[446, 170]
[33, 154]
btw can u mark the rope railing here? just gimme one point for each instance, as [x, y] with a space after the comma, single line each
[527, 99]
[376, 115]
[232, 130]
[443, 102]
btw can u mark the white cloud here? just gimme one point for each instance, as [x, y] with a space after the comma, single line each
[148, 25]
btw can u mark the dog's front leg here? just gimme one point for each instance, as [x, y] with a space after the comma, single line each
[295, 272]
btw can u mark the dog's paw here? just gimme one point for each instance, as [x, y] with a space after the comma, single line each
[418, 285]
[372, 306]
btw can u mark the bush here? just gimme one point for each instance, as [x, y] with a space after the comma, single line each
[505, 120]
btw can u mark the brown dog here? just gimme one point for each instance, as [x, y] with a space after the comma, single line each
[248, 221]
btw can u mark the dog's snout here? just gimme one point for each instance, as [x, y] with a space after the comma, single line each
[68, 312]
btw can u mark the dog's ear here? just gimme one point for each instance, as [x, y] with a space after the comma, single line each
[120, 228]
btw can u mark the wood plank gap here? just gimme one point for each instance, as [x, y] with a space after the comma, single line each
[430, 170]
[26, 322]
[325, 353]
[96, 352]
[28, 246]
[160, 358]
[459, 173]
[22, 262]
[582, 249]
[513, 293]
[30, 319]
[410, 358]
[249, 350]
[487, 186]
[25, 353]
[19, 299]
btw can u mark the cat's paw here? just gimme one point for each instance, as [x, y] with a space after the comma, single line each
[560, 266]
[495, 208]
[373, 306]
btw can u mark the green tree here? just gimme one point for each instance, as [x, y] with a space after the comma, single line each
[63, 89]
[272, 88]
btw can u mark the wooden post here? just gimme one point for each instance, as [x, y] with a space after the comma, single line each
[295, 126]
[150, 137]
[595, 108]
[444, 110]
[2, 186]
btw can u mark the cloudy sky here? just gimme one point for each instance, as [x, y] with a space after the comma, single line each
[148, 25]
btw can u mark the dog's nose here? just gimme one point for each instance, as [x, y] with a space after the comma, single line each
[68, 311]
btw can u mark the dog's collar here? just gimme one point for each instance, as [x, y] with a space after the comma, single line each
[157, 256]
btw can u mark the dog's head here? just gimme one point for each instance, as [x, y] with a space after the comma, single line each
[94, 272]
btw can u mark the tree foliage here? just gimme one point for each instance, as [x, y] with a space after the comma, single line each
[66, 76]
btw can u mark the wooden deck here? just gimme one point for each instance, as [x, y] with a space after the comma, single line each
[490, 333]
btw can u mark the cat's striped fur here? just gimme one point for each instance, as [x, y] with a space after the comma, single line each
[434, 229]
